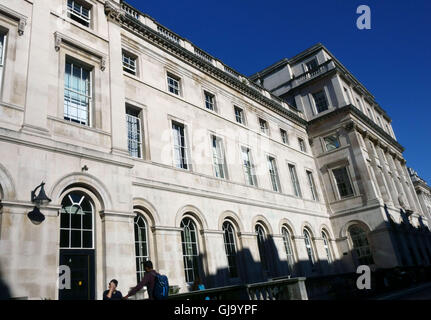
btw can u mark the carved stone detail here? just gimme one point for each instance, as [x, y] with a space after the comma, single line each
[114, 12]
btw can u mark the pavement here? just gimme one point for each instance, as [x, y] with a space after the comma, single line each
[418, 292]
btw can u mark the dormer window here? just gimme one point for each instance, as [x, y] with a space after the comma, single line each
[79, 11]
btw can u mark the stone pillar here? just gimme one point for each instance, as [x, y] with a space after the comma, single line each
[116, 79]
[382, 248]
[37, 93]
[217, 274]
[339, 92]
[169, 255]
[30, 252]
[119, 249]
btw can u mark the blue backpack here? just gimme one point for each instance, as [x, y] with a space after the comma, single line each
[161, 287]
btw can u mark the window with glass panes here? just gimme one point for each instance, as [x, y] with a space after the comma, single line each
[79, 11]
[2, 55]
[218, 157]
[248, 166]
[331, 142]
[190, 249]
[76, 221]
[326, 245]
[284, 137]
[261, 244]
[320, 101]
[295, 181]
[129, 63]
[312, 65]
[287, 240]
[263, 126]
[173, 84]
[239, 115]
[302, 145]
[311, 185]
[273, 173]
[343, 182]
[77, 93]
[210, 101]
[180, 146]
[134, 133]
[361, 246]
[308, 246]
[141, 245]
[230, 248]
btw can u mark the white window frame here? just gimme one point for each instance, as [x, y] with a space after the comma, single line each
[301, 143]
[288, 247]
[294, 179]
[139, 272]
[263, 126]
[273, 173]
[139, 121]
[217, 158]
[3, 57]
[327, 246]
[312, 185]
[249, 171]
[89, 97]
[284, 136]
[185, 147]
[213, 104]
[242, 113]
[127, 65]
[80, 16]
[336, 137]
[346, 167]
[174, 78]
[308, 242]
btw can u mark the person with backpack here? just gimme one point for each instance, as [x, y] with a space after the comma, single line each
[157, 284]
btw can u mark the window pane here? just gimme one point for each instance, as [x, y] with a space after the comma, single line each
[75, 239]
[343, 182]
[320, 101]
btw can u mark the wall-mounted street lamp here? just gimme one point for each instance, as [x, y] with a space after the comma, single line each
[35, 215]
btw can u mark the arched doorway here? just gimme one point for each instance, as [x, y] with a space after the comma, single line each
[360, 245]
[77, 245]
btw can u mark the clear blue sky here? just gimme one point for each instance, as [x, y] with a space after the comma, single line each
[392, 59]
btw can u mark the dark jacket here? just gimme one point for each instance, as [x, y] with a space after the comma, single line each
[116, 295]
[148, 281]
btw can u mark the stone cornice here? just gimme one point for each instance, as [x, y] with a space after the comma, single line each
[352, 109]
[113, 11]
[138, 28]
[22, 20]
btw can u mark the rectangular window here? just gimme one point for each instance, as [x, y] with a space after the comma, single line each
[239, 115]
[331, 142]
[129, 63]
[273, 173]
[248, 166]
[2, 56]
[358, 103]
[210, 101]
[174, 84]
[320, 101]
[379, 122]
[263, 124]
[77, 93]
[218, 157]
[134, 132]
[302, 145]
[295, 181]
[347, 94]
[312, 185]
[284, 137]
[343, 182]
[312, 65]
[79, 11]
[180, 146]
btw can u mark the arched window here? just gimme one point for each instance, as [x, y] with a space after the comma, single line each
[288, 247]
[261, 243]
[230, 247]
[360, 245]
[141, 245]
[327, 247]
[76, 221]
[190, 249]
[308, 246]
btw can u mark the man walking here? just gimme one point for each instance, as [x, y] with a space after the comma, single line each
[148, 281]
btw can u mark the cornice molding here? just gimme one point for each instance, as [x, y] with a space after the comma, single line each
[114, 12]
[22, 20]
[152, 36]
[61, 39]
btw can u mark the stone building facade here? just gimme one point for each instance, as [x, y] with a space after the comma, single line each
[423, 191]
[151, 148]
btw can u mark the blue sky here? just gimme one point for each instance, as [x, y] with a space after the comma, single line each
[391, 59]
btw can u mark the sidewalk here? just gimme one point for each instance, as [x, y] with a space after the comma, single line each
[397, 295]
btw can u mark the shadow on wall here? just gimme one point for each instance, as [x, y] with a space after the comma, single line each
[4, 289]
